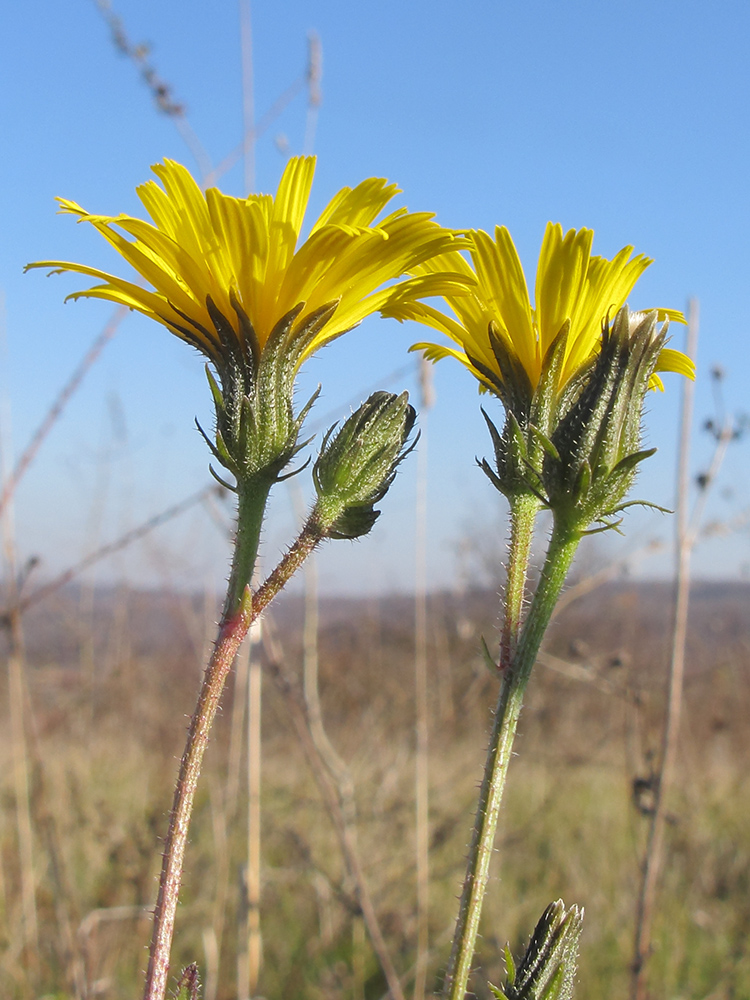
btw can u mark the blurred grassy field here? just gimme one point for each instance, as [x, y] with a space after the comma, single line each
[111, 677]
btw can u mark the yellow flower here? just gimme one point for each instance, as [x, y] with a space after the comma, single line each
[571, 285]
[211, 253]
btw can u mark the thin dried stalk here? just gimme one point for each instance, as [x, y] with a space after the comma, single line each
[248, 93]
[55, 411]
[117, 546]
[422, 748]
[654, 856]
[251, 945]
[314, 93]
[16, 702]
[22, 799]
[161, 91]
[332, 798]
[334, 763]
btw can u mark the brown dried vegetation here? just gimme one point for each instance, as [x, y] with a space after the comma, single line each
[103, 726]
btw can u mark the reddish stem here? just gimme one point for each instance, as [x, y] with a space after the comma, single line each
[232, 630]
[231, 633]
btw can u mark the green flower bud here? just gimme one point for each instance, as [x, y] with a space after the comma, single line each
[592, 453]
[547, 970]
[357, 465]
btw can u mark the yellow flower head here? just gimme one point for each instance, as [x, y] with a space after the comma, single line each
[217, 263]
[571, 287]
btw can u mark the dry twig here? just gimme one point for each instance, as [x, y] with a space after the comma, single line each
[333, 800]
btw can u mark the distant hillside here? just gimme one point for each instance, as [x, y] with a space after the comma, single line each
[624, 622]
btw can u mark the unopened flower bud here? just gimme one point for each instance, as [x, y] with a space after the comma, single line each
[358, 463]
[593, 452]
[547, 970]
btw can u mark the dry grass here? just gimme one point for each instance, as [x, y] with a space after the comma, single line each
[107, 709]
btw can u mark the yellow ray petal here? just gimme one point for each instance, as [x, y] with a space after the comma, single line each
[572, 286]
[243, 254]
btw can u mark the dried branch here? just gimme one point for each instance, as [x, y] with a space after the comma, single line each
[289, 688]
[55, 411]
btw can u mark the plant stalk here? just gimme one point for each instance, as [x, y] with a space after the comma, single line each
[685, 539]
[523, 512]
[336, 793]
[515, 677]
[251, 506]
[236, 619]
[421, 706]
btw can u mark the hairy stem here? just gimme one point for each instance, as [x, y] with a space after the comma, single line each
[310, 536]
[239, 613]
[515, 677]
[523, 511]
[251, 506]
[231, 633]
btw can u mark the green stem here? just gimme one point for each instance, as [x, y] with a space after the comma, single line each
[251, 506]
[235, 622]
[560, 554]
[523, 511]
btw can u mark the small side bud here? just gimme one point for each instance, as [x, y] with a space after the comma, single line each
[188, 986]
[358, 463]
[595, 447]
[547, 971]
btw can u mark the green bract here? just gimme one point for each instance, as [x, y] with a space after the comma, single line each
[547, 970]
[530, 417]
[257, 430]
[592, 454]
[577, 449]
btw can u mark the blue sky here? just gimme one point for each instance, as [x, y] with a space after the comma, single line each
[630, 119]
